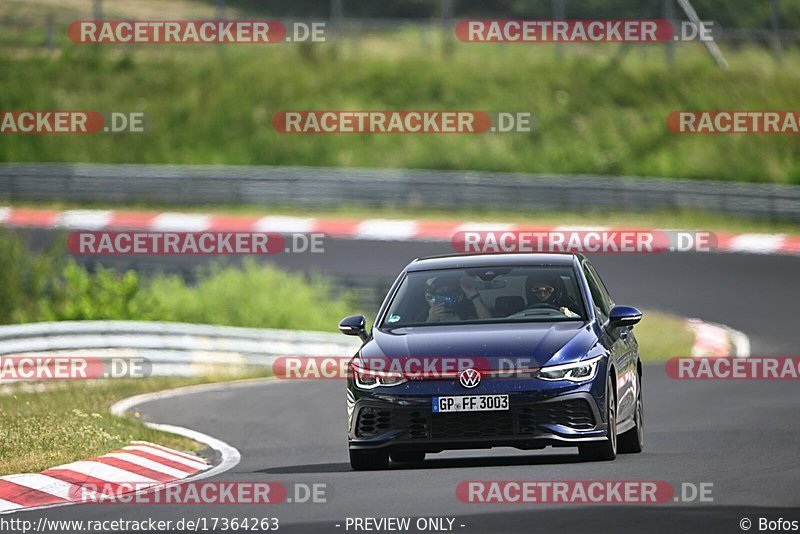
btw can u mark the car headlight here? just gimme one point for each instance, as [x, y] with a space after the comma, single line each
[369, 379]
[574, 372]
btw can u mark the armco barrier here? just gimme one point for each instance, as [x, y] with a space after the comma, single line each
[171, 348]
[328, 187]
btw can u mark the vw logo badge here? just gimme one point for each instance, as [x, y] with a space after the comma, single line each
[469, 378]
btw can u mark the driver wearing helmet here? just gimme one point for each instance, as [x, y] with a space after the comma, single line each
[543, 290]
[452, 298]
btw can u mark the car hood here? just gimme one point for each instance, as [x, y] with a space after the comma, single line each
[543, 343]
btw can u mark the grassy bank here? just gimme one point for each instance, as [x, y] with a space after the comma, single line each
[212, 104]
[662, 336]
[63, 422]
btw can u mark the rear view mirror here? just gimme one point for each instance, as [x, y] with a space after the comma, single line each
[621, 316]
[497, 283]
[354, 325]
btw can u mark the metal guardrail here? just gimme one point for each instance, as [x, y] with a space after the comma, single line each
[328, 187]
[172, 348]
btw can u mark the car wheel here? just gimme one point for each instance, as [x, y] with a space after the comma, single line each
[407, 456]
[606, 450]
[632, 441]
[368, 460]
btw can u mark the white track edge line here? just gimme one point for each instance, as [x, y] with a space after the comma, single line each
[229, 454]
[740, 341]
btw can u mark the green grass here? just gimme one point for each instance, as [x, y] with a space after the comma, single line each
[214, 104]
[662, 336]
[69, 421]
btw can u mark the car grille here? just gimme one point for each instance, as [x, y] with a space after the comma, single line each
[472, 425]
[374, 422]
[520, 420]
[574, 413]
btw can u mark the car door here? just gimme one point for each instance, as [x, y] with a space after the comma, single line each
[619, 343]
[631, 356]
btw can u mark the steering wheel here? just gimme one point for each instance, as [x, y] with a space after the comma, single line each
[531, 311]
[544, 305]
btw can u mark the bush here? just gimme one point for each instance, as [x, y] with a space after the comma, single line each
[80, 295]
[48, 287]
[255, 296]
[24, 280]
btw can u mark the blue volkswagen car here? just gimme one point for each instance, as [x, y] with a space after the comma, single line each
[500, 350]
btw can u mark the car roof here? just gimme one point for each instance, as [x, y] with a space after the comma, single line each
[461, 261]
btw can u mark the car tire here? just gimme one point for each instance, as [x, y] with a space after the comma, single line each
[632, 441]
[607, 450]
[407, 456]
[368, 460]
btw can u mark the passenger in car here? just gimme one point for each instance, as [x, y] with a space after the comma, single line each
[454, 298]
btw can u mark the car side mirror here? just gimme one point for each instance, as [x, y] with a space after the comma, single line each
[621, 316]
[354, 325]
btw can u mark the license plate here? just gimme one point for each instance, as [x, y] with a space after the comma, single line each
[470, 403]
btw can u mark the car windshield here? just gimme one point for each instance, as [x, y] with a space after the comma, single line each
[487, 294]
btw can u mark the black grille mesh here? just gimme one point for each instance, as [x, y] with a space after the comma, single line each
[574, 413]
[520, 420]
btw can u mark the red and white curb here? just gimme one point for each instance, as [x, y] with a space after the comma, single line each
[151, 467]
[713, 340]
[371, 229]
[142, 464]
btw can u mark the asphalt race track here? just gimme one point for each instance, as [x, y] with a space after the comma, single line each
[742, 436]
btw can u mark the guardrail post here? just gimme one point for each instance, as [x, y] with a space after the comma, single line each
[774, 19]
[336, 15]
[49, 24]
[447, 16]
[669, 46]
[559, 13]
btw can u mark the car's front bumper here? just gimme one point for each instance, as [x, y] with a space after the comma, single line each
[532, 422]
